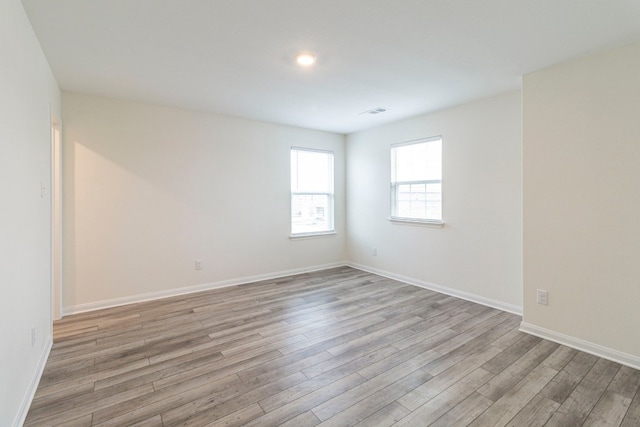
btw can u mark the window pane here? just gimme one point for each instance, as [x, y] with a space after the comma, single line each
[410, 162]
[311, 213]
[434, 201]
[417, 162]
[434, 160]
[404, 192]
[311, 171]
[404, 209]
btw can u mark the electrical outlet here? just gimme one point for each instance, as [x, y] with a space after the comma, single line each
[542, 297]
[33, 336]
[374, 251]
[198, 264]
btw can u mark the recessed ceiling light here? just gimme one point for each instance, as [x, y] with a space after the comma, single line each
[306, 59]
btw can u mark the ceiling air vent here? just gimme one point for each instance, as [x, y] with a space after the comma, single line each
[374, 111]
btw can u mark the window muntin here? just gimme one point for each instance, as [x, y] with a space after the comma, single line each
[312, 192]
[416, 180]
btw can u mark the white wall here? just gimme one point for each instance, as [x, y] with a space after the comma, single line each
[582, 199]
[28, 95]
[150, 189]
[478, 251]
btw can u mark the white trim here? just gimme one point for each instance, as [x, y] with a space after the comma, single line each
[55, 194]
[314, 150]
[395, 183]
[329, 194]
[81, 308]
[489, 302]
[582, 345]
[301, 236]
[99, 305]
[419, 222]
[416, 141]
[33, 386]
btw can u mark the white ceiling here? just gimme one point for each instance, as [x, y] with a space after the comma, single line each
[235, 57]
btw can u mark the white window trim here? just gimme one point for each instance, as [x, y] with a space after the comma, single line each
[330, 198]
[315, 235]
[435, 223]
[419, 222]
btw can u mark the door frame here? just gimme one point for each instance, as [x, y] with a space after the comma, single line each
[56, 218]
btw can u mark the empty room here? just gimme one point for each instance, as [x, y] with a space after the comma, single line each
[333, 213]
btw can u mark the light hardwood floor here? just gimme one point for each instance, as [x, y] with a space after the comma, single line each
[339, 347]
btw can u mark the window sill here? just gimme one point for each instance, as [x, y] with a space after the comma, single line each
[418, 222]
[301, 236]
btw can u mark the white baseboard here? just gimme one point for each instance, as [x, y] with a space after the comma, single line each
[99, 305]
[33, 385]
[511, 308]
[578, 344]
[582, 345]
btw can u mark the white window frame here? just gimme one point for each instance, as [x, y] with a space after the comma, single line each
[395, 184]
[330, 198]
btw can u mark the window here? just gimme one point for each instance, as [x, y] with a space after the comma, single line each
[311, 192]
[416, 181]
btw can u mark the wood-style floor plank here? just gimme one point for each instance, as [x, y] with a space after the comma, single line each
[579, 404]
[339, 347]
